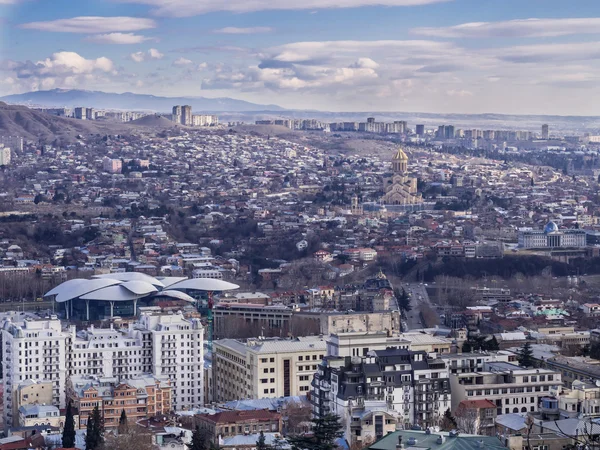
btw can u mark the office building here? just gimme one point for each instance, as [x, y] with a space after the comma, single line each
[381, 391]
[265, 368]
[112, 165]
[552, 237]
[80, 113]
[420, 130]
[510, 387]
[545, 132]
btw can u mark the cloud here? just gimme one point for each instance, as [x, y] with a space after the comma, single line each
[61, 69]
[515, 28]
[117, 38]
[92, 25]
[139, 57]
[184, 8]
[364, 63]
[249, 30]
[181, 62]
[551, 53]
[459, 93]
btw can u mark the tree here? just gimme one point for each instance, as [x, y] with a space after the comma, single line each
[68, 436]
[325, 431]
[123, 427]
[136, 438]
[403, 299]
[466, 347]
[525, 356]
[261, 444]
[448, 422]
[493, 345]
[467, 419]
[94, 436]
[199, 440]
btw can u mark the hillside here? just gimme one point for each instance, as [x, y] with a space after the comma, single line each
[153, 121]
[129, 101]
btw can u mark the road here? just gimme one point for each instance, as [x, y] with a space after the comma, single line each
[418, 296]
[28, 306]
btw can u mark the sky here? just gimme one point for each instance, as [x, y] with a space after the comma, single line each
[439, 56]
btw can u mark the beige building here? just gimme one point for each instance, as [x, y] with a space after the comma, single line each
[36, 415]
[265, 368]
[30, 393]
[337, 322]
[399, 188]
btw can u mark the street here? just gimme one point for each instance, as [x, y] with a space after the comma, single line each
[418, 297]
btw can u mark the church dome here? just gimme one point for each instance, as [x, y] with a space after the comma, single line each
[400, 155]
[550, 227]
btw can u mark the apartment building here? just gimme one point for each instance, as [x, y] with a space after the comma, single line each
[141, 397]
[474, 362]
[33, 350]
[376, 393]
[265, 368]
[510, 387]
[163, 345]
[238, 423]
[267, 317]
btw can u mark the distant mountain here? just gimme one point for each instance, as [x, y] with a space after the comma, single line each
[128, 101]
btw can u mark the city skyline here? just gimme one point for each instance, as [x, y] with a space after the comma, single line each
[445, 56]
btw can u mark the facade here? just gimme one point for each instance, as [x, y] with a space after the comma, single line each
[398, 187]
[177, 114]
[476, 417]
[35, 415]
[186, 115]
[30, 393]
[361, 322]
[511, 388]
[226, 424]
[552, 237]
[377, 393]
[545, 132]
[267, 317]
[112, 165]
[581, 400]
[205, 120]
[265, 368]
[474, 362]
[141, 397]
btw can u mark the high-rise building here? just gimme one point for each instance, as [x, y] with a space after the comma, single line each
[420, 130]
[80, 113]
[167, 346]
[177, 114]
[545, 132]
[186, 115]
[90, 114]
[5, 155]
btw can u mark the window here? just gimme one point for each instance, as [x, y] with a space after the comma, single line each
[272, 360]
[300, 358]
[264, 380]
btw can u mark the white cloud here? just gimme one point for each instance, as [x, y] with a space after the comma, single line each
[551, 53]
[92, 25]
[249, 30]
[459, 93]
[515, 28]
[61, 69]
[365, 63]
[117, 38]
[184, 8]
[139, 57]
[181, 62]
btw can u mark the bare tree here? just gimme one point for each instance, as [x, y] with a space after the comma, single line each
[137, 438]
[467, 420]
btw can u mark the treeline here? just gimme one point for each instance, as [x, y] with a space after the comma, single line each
[509, 266]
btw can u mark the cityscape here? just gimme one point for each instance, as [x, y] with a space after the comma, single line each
[261, 226]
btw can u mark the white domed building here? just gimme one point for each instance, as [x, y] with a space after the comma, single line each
[552, 237]
[120, 294]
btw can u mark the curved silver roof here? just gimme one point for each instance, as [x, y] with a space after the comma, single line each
[71, 289]
[168, 281]
[117, 293]
[178, 295]
[204, 284]
[131, 276]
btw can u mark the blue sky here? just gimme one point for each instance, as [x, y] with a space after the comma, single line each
[465, 56]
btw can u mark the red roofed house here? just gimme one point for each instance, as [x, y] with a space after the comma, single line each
[233, 423]
[476, 417]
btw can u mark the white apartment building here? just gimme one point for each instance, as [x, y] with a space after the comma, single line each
[512, 388]
[33, 350]
[4, 155]
[158, 344]
[265, 368]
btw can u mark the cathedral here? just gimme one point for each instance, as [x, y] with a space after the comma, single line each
[398, 187]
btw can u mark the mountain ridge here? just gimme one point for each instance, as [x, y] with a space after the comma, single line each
[70, 98]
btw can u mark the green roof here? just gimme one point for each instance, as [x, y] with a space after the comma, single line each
[430, 442]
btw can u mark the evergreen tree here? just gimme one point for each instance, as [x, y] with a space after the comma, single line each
[403, 299]
[466, 347]
[94, 437]
[199, 440]
[261, 444]
[525, 356]
[123, 427]
[68, 436]
[493, 345]
[448, 421]
[325, 431]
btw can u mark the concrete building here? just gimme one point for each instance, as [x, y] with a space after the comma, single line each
[365, 322]
[511, 388]
[382, 391]
[267, 317]
[545, 132]
[177, 115]
[226, 424]
[476, 417]
[474, 362]
[552, 237]
[264, 368]
[35, 415]
[186, 115]
[5, 155]
[112, 165]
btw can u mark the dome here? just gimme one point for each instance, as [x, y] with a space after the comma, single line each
[550, 227]
[400, 155]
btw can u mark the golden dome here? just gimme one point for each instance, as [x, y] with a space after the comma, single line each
[400, 155]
